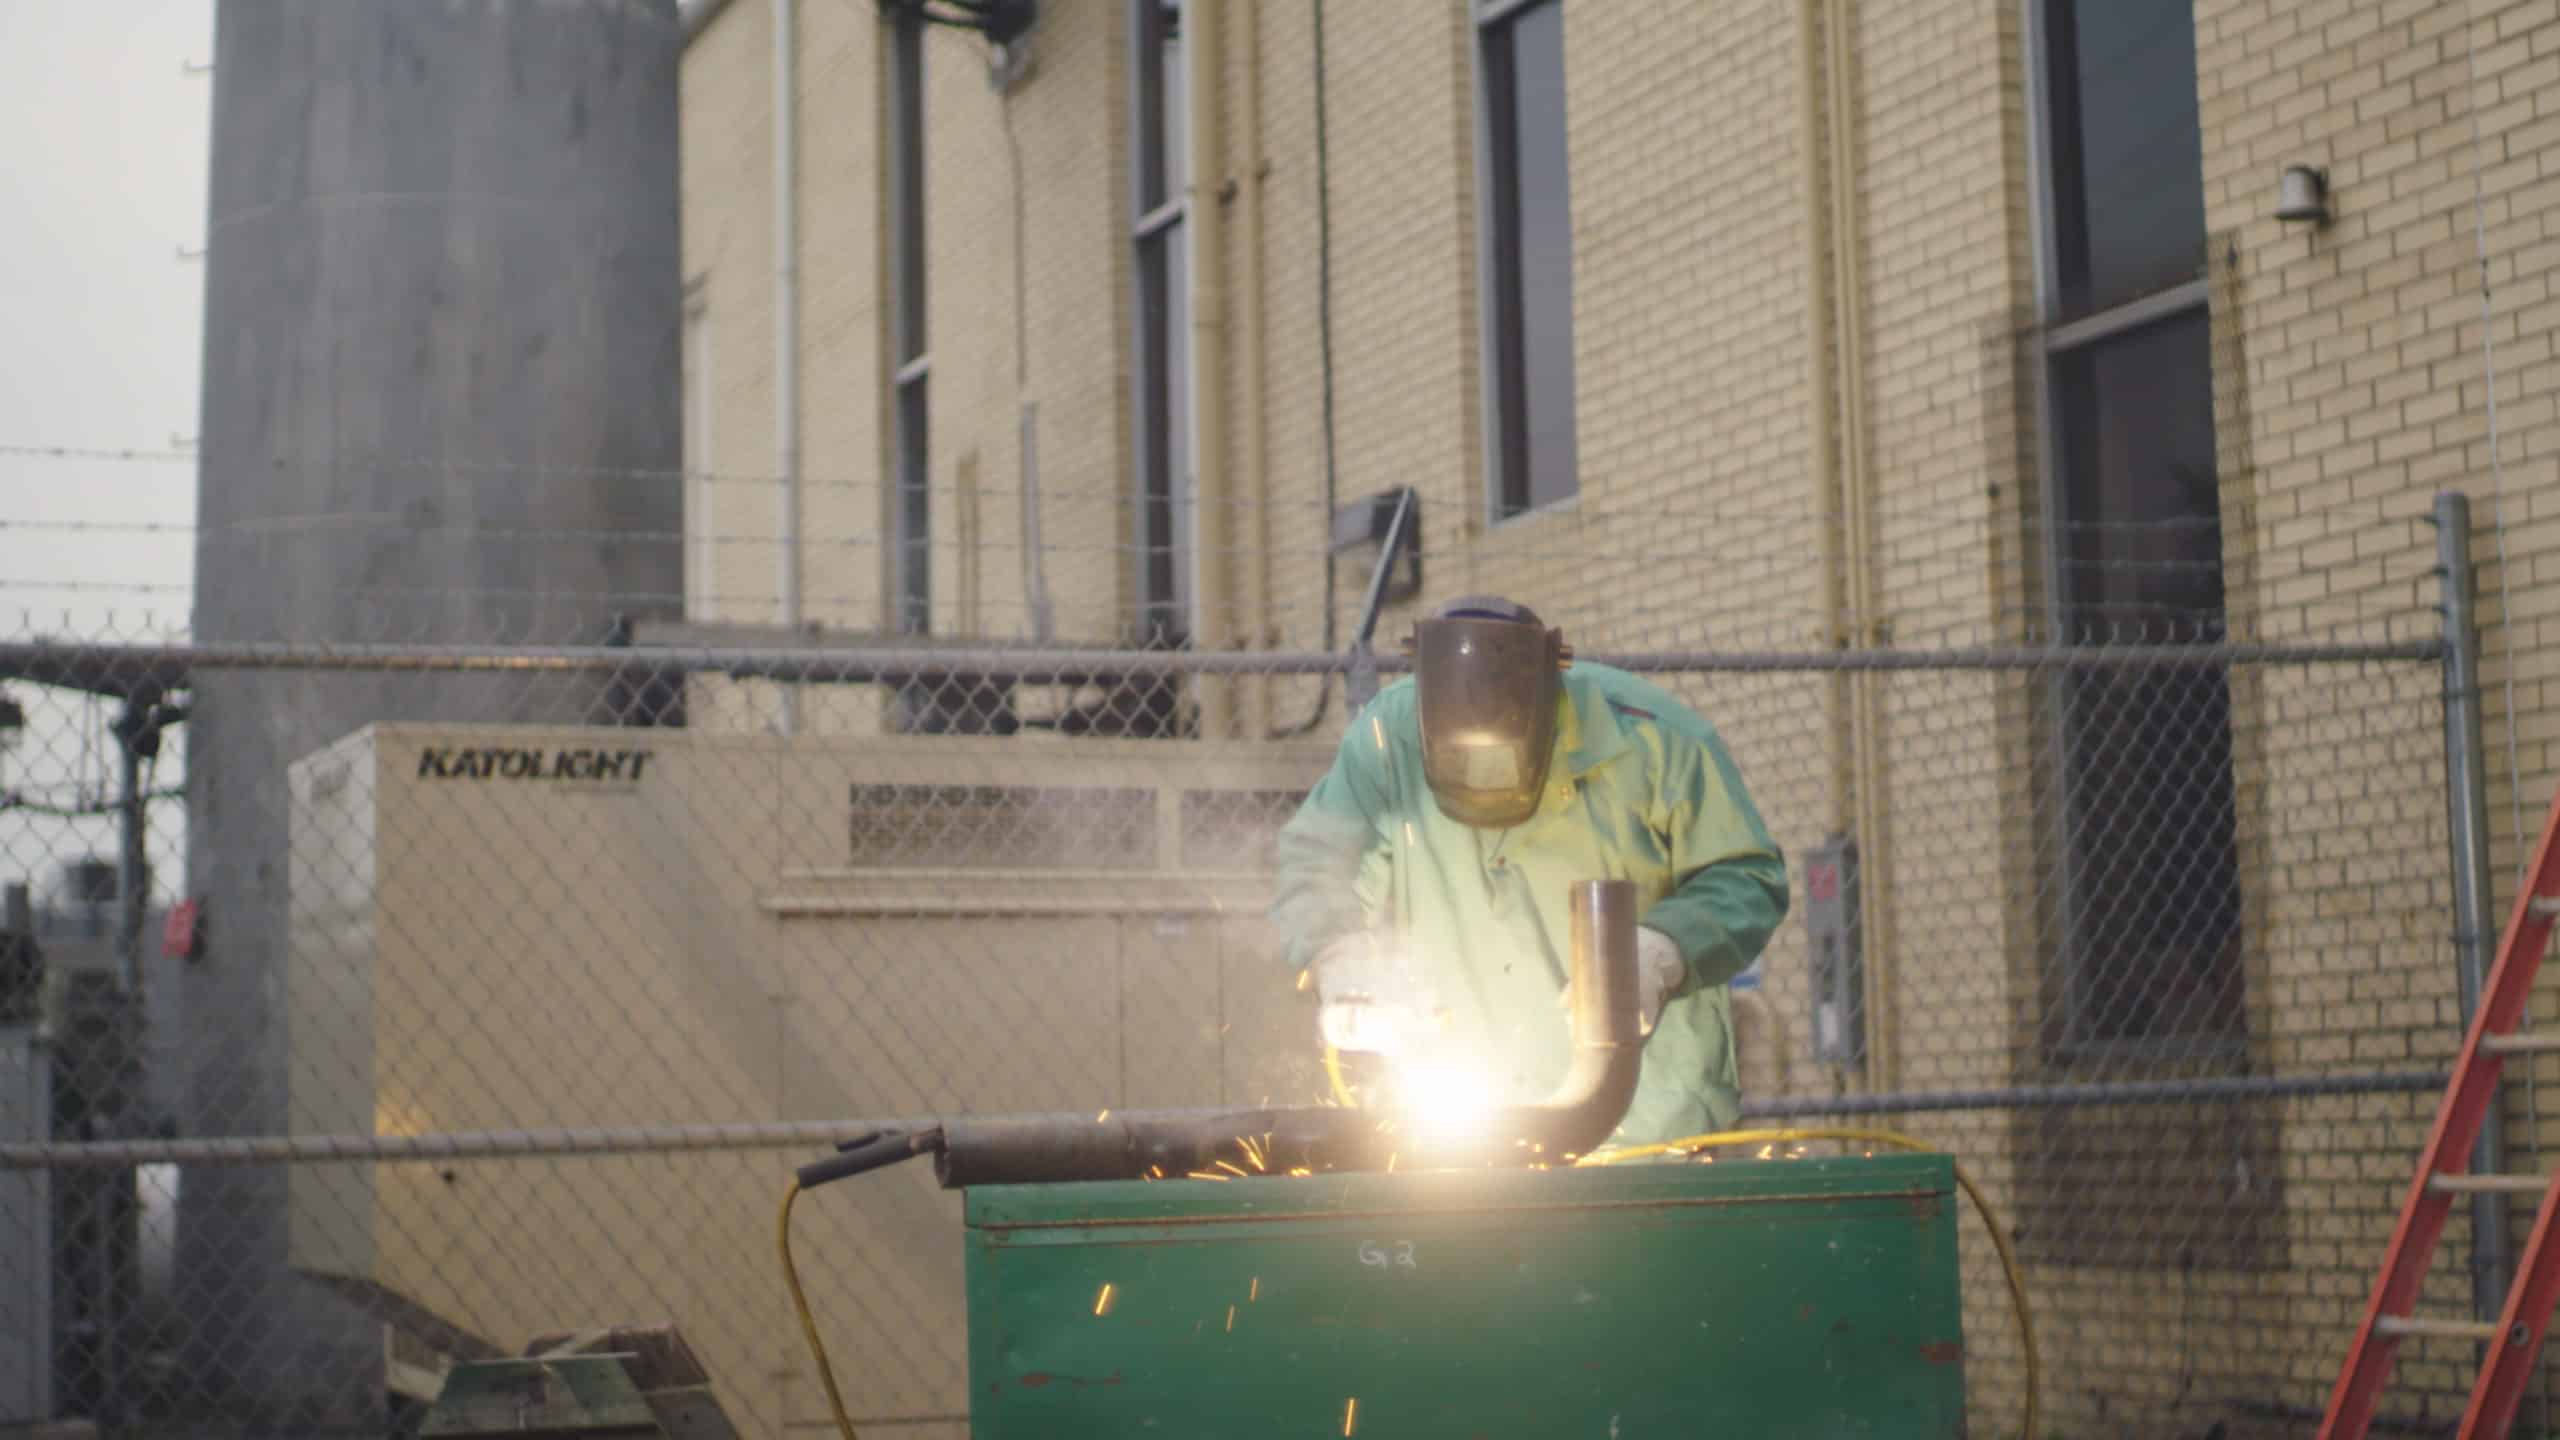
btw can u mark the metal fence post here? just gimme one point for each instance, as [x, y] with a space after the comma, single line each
[2466, 786]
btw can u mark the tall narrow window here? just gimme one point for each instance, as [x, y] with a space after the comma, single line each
[701, 524]
[1161, 174]
[911, 561]
[2149, 871]
[1527, 215]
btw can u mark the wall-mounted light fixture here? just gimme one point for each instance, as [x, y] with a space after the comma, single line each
[2303, 194]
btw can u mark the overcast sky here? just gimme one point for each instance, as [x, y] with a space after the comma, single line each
[106, 136]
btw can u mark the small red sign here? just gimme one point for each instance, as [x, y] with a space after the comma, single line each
[183, 934]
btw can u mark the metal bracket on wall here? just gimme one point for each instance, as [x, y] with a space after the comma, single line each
[1392, 521]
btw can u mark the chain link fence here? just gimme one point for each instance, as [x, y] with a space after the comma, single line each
[377, 1004]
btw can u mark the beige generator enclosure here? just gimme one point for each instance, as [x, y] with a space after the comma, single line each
[505, 929]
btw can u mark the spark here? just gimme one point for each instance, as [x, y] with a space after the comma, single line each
[1208, 1175]
[1239, 1174]
[1300, 1170]
[1408, 832]
[1350, 1414]
[1102, 1302]
[1105, 1115]
[1155, 1172]
[1255, 1292]
[1380, 731]
[1391, 1162]
[1231, 1319]
[1306, 978]
[1252, 1152]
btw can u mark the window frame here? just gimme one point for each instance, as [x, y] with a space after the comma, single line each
[1161, 402]
[2061, 334]
[1501, 340]
[907, 571]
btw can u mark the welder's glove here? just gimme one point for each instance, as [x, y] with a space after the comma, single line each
[1363, 1005]
[1660, 972]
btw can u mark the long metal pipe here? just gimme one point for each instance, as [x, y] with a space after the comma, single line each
[2466, 790]
[1586, 1105]
[786, 322]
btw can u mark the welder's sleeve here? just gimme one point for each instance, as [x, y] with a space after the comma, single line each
[1325, 885]
[1732, 891]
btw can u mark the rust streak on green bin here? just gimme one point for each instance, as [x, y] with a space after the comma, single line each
[1767, 1298]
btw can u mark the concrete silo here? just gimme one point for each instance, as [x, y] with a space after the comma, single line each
[441, 376]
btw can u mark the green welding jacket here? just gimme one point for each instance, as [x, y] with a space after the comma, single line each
[1641, 789]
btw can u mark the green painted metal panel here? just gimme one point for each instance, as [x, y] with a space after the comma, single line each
[1766, 1298]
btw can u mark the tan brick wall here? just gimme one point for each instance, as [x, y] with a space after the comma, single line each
[2365, 391]
[2351, 385]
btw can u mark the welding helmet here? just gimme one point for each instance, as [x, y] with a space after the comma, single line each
[1488, 679]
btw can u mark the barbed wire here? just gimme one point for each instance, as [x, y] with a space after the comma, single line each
[1890, 503]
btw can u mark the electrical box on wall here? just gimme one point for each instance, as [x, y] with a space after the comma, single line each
[1831, 935]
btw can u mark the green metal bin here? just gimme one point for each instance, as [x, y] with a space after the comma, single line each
[1813, 1297]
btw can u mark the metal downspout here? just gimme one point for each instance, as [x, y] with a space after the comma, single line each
[786, 326]
[1821, 403]
[1204, 233]
[1253, 532]
[1874, 916]
[2466, 788]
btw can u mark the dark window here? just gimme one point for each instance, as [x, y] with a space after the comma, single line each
[2142, 874]
[2154, 896]
[2128, 179]
[2149, 888]
[1528, 218]
[1163, 325]
[911, 562]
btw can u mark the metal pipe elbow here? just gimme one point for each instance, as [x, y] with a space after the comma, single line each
[1608, 1042]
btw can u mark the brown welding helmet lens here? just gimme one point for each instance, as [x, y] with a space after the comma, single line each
[1487, 677]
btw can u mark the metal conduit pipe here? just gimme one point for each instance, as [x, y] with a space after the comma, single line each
[1875, 909]
[786, 326]
[1253, 533]
[1204, 234]
[1586, 1105]
[1822, 456]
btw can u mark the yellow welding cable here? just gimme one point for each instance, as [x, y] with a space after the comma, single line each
[1973, 1192]
[809, 1322]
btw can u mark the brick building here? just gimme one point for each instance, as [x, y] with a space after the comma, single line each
[1771, 326]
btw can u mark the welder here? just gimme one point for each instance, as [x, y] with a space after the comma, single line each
[1423, 881]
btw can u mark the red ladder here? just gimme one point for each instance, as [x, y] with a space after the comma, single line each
[2514, 1342]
